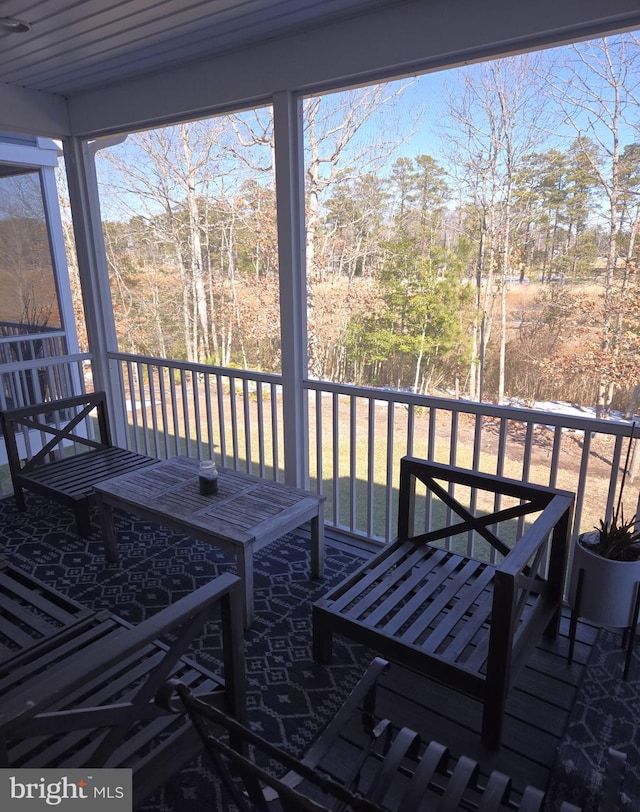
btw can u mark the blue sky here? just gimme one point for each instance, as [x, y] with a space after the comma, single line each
[416, 122]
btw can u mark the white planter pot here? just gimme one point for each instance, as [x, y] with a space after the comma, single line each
[609, 588]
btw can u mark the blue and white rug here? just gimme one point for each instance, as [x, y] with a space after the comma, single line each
[290, 697]
[606, 714]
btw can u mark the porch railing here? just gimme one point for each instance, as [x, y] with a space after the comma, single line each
[198, 410]
[33, 364]
[24, 342]
[358, 435]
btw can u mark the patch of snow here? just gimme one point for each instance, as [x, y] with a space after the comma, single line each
[560, 407]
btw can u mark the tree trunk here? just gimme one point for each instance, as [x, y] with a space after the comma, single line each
[201, 320]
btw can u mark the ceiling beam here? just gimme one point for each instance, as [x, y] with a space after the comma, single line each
[410, 37]
[33, 113]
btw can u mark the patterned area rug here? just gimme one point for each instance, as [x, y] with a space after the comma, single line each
[606, 714]
[290, 696]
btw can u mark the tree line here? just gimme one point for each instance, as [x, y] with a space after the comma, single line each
[502, 264]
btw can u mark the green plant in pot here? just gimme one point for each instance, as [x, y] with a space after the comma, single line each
[617, 540]
[609, 558]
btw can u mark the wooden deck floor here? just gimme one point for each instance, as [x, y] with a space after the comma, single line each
[538, 709]
[537, 712]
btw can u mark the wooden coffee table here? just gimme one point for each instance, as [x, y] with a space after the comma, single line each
[245, 515]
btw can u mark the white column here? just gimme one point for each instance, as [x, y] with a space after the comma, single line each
[94, 276]
[289, 163]
[59, 258]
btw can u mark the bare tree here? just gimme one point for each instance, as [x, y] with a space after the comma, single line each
[597, 89]
[337, 148]
[165, 176]
[495, 121]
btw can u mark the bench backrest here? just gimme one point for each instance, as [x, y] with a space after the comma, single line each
[42, 432]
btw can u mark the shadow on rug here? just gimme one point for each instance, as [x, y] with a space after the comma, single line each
[606, 714]
[290, 697]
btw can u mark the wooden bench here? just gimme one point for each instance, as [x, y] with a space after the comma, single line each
[363, 762]
[84, 695]
[424, 602]
[61, 448]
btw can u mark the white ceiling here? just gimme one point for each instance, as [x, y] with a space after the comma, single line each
[95, 67]
[75, 45]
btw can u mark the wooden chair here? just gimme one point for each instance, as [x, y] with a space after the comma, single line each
[359, 762]
[82, 696]
[470, 624]
[61, 448]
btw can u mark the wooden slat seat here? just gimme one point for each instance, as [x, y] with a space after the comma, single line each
[361, 761]
[437, 602]
[61, 449]
[88, 701]
[468, 623]
[33, 617]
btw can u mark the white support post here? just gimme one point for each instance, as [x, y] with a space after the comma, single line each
[94, 277]
[59, 258]
[289, 163]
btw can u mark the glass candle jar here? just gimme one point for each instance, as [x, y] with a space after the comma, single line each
[208, 477]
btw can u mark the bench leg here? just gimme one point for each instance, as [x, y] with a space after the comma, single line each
[83, 519]
[20, 503]
[19, 496]
[322, 645]
[553, 626]
[575, 613]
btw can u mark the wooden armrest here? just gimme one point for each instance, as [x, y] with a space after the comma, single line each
[531, 540]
